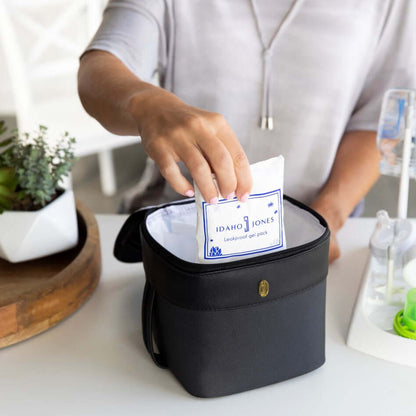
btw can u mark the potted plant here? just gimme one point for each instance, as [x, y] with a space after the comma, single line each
[37, 217]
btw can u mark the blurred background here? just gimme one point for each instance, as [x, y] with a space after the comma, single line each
[40, 43]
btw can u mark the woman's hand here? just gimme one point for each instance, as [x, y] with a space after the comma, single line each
[173, 131]
[334, 251]
[331, 216]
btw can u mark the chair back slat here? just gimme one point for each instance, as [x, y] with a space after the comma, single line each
[42, 41]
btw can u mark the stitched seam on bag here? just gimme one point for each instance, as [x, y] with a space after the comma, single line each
[248, 305]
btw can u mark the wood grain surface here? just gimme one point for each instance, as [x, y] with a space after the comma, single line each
[36, 295]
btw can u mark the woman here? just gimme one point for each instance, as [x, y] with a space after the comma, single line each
[313, 72]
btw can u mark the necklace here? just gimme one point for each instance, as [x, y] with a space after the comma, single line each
[266, 118]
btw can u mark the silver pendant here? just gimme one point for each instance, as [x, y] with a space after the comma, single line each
[267, 123]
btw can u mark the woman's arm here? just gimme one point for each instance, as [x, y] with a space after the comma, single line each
[354, 172]
[171, 131]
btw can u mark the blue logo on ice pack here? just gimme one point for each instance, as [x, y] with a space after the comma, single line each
[215, 252]
[247, 227]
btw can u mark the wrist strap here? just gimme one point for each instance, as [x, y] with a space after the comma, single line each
[149, 297]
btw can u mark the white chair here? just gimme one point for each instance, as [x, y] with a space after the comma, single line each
[42, 41]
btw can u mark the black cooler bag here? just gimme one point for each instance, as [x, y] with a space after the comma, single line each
[230, 327]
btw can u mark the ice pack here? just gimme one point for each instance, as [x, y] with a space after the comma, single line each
[232, 230]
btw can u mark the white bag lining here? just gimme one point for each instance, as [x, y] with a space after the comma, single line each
[174, 228]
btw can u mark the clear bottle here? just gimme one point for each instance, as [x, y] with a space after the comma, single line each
[391, 129]
[390, 239]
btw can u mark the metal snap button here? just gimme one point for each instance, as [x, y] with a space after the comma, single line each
[263, 288]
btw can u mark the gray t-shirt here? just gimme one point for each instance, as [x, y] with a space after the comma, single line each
[330, 68]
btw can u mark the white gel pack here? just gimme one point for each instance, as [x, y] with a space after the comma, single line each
[232, 230]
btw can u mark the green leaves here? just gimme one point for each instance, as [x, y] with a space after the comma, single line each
[37, 166]
[8, 184]
[8, 176]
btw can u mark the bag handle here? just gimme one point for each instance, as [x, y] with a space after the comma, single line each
[149, 296]
[128, 247]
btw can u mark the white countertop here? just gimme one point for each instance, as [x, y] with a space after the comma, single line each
[94, 362]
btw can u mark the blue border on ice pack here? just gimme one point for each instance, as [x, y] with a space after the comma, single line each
[276, 192]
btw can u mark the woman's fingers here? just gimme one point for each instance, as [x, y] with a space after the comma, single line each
[239, 159]
[166, 161]
[166, 153]
[206, 144]
[200, 171]
[221, 164]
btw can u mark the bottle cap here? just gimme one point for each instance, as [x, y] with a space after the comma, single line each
[405, 320]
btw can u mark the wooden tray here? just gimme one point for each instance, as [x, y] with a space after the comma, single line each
[36, 295]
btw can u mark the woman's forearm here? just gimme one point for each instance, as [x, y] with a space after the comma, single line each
[106, 87]
[354, 172]
[171, 131]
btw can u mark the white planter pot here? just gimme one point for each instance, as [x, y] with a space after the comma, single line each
[27, 235]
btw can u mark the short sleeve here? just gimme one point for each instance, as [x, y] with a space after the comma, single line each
[134, 32]
[393, 66]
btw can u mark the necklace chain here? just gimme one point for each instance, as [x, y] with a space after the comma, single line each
[266, 119]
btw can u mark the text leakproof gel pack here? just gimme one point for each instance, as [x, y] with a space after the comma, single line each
[232, 230]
